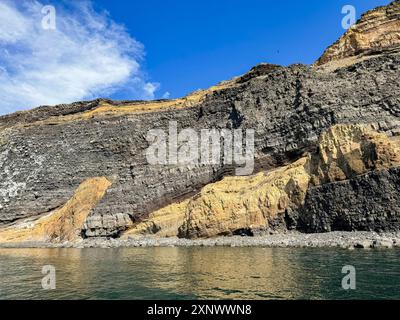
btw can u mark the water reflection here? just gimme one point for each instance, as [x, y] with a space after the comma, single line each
[184, 273]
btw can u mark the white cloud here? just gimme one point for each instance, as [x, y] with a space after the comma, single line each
[87, 56]
[151, 88]
[166, 95]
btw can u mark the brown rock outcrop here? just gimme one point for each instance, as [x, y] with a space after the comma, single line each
[377, 31]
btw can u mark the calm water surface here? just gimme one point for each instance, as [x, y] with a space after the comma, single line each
[204, 273]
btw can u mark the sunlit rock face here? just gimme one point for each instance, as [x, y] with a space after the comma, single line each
[346, 151]
[268, 200]
[377, 31]
[46, 154]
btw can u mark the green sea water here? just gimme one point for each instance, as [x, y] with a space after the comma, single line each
[199, 273]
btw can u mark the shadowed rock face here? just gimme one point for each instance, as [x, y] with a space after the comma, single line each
[369, 202]
[46, 153]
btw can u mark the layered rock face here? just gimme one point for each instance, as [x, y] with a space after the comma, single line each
[46, 154]
[284, 198]
[62, 224]
[369, 202]
[377, 31]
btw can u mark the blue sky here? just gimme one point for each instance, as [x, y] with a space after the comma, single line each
[194, 44]
[155, 48]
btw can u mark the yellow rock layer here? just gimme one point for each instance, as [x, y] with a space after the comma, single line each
[106, 109]
[252, 202]
[165, 222]
[233, 203]
[346, 151]
[377, 29]
[62, 224]
[245, 202]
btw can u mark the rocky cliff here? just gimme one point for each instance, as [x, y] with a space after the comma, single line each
[286, 197]
[325, 153]
[375, 33]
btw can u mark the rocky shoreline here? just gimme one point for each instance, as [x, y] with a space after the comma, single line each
[338, 239]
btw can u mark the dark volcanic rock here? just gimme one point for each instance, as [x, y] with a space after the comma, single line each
[370, 202]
